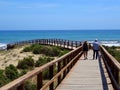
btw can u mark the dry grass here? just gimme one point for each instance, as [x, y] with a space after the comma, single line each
[14, 55]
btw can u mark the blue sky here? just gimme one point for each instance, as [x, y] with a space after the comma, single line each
[59, 14]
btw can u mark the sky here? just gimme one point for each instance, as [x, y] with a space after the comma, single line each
[59, 14]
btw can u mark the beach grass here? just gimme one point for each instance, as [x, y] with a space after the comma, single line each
[17, 54]
[114, 51]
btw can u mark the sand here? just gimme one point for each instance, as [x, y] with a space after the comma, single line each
[12, 56]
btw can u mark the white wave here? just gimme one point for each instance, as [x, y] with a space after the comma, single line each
[3, 46]
[108, 42]
[112, 44]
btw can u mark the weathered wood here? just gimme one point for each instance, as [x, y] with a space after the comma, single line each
[59, 68]
[113, 68]
[51, 76]
[21, 87]
[61, 72]
[67, 65]
[37, 72]
[85, 75]
[39, 81]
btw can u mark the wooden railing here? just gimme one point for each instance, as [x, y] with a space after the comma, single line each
[113, 68]
[62, 65]
[57, 42]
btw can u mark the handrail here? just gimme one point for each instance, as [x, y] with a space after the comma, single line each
[56, 42]
[58, 74]
[63, 65]
[113, 68]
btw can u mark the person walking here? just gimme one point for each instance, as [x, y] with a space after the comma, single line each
[95, 49]
[85, 49]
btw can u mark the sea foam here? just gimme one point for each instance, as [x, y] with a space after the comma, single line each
[108, 42]
[3, 46]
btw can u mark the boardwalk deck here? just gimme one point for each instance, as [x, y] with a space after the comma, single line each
[86, 75]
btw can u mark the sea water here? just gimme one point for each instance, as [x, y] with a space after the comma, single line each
[106, 37]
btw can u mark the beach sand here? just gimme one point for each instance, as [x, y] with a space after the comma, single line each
[12, 56]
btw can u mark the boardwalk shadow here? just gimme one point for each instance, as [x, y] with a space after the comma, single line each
[104, 81]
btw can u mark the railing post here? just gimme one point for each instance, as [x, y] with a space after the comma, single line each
[54, 41]
[64, 43]
[39, 81]
[68, 44]
[60, 43]
[57, 41]
[64, 64]
[71, 44]
[76, 44]
[51, 76]
[68, 60]
[116, 74]
[49, 41]
[21, 87]
[59, 68]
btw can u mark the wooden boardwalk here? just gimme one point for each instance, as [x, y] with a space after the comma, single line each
[87, 75]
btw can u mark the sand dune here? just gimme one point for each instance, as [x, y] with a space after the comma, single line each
[13, 56]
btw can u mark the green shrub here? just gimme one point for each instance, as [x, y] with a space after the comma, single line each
[30, 86]
[43, 60]
[55, 51]
[47, 50]
[26, 63]
[46, 74]
[63, 52]
[112, 50]
[11, 72]
[36, 49]
[33, 45]
[30, 48]
[23, 72]
[113, 47]
[3, 79]
[27, 49]
[1, 71]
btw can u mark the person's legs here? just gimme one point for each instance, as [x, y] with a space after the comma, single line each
[97, 54]
[84, 54]
[93, 54]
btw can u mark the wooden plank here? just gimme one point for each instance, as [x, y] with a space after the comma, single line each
[85, 75]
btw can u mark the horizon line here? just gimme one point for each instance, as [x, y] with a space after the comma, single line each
[53, 29]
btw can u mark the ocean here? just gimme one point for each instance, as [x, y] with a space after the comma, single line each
[106, 37]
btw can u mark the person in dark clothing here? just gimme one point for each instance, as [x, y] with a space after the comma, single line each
[85, 49]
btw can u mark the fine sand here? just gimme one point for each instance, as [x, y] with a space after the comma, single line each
[12, 56]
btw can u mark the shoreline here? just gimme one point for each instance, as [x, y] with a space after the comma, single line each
[3, 46]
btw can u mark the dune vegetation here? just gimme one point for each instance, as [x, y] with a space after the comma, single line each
[28, 63]
[114, 51]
